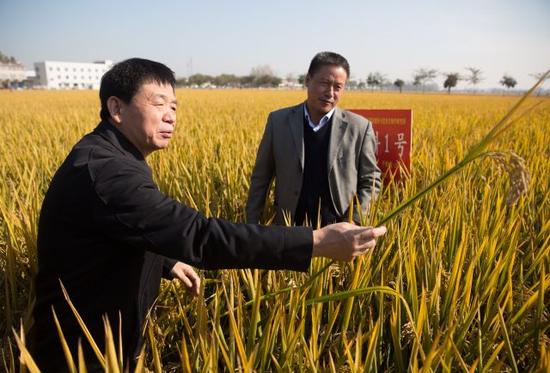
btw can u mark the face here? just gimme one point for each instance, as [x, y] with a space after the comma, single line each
[148, 120]
[324, 89]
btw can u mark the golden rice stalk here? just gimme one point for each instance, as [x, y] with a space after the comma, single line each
[66, 350]
[83, 326]
[474, 153]
[518, 174]
[25, 356]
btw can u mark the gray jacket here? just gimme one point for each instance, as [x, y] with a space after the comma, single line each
[351, 163]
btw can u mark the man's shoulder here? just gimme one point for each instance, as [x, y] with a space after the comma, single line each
[94, 151]
[102, 158]
[285, 112]
[355, 119]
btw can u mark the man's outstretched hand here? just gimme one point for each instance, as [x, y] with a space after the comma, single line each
[187, 275]
[344, 241]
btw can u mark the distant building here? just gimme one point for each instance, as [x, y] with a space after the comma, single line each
[290, 84]
[70, 75]
[30, 74]
[11, 72]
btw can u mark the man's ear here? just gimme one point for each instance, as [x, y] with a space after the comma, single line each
[115, 107]
[307, 79]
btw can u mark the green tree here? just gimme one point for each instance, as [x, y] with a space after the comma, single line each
[181, 82]
[508, 81]
[199, 79]
[226, 80]
[246, 80]
[451, 81]
[399, 84]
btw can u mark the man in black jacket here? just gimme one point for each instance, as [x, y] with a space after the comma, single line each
[108, 234]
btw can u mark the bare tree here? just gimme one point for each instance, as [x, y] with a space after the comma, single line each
[7, 59]
[474, 77]
[263, 76]
[539, 76]
[423, 76]
[261, 70]
[451, 81]
[375, 79]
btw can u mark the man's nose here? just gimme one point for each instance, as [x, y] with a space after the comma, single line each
[170, 117]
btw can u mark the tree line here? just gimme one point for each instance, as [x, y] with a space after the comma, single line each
[424, 76]
[261, 76]
[422, 79]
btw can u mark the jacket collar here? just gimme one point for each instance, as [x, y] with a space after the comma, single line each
[110, 133]
[337, 131]
[297, 129]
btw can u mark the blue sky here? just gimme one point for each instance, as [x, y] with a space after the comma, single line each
[395, 37]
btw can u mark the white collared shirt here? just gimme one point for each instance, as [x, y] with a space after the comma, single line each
[324, 120]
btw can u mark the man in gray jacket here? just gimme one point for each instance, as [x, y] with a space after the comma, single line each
[320, 156]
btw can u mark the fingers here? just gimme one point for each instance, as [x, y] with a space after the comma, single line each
[188, 277]
[195, 280]
[371, 233]
[366, 240]
[343, 241]
[186, 281]
[379, 231]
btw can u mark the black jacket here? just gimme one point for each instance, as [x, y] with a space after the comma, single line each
[106, 232]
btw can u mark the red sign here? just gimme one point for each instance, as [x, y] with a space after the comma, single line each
[393, 130]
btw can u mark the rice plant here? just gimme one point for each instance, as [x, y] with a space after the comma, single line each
[460, 283]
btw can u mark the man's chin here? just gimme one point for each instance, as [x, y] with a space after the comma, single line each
[326, 107]
[162, 145]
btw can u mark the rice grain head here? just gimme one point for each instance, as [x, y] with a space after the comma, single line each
[518, 174]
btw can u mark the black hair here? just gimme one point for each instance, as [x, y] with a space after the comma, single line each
[327, 58]
[125, 78]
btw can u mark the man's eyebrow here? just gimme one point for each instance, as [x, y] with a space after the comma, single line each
[165, 98]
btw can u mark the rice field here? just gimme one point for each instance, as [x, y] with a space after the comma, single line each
[459, 283]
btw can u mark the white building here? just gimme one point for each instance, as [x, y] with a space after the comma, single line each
[70, 75]
[12, 72]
